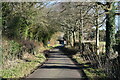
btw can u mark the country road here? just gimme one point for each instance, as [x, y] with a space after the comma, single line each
[58, 65]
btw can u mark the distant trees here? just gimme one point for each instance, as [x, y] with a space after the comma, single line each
[79, 21]
[76, 20]
[102, 35]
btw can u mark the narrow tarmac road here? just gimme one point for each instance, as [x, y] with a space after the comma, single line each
[57, 66]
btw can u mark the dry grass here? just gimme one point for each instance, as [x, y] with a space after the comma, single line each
[91, 72]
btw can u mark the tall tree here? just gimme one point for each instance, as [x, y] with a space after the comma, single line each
[109, 9]
[110, 27]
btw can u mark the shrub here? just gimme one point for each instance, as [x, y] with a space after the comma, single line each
[14, 49]
[28, 46]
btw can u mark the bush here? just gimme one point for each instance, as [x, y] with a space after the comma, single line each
[28, 46]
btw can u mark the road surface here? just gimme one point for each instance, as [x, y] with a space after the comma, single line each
[57, 66]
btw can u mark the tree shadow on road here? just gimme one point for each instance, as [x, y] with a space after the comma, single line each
[63, 65]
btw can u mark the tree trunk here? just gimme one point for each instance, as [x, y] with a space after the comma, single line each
[70, 39]
[81, 30]
[97, 32]
[67, 38]
[110, 31]
[73, 39]
[97, 40]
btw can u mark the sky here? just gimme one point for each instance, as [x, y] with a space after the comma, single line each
[117, 20]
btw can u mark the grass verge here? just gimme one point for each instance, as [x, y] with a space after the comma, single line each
[91, 72]
[23, 68]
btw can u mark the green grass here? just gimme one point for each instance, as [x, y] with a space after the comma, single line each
[50, 47]
[56, 45]
[23, 68]
[102, 43]
[94, 73]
